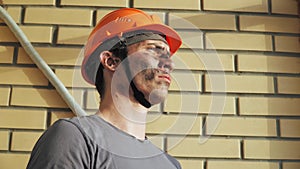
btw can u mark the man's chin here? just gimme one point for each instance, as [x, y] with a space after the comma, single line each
[158, 96]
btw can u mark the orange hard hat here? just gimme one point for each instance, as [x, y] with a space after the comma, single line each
[115, 25]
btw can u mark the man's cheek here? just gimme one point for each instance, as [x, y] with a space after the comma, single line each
[143, 65]
[149, 74]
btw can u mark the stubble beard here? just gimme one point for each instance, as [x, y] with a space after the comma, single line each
[159, 90]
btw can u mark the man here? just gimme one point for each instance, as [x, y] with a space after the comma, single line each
[127, 58]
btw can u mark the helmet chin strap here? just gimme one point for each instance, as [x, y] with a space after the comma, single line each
[139, 96]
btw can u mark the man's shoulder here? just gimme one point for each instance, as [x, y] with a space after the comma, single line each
[84, 124]
[63, 128]
[90, 126]
[56, 147]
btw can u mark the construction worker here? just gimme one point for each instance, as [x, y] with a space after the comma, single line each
[128, 58]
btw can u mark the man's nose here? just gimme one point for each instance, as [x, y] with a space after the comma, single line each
[166, 65]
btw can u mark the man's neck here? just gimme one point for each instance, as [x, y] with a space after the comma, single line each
[128, 116]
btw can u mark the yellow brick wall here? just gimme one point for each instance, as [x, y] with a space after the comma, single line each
[235, 97]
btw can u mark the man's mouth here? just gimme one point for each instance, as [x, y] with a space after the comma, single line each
[167, 78]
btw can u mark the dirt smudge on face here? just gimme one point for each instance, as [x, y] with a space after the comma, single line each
[149, 74]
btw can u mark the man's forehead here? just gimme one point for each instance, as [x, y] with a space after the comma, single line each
[146, 44]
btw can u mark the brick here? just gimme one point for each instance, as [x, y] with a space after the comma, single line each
[229, 164]
[5, 94]
[102, 3]
[63, 16]
[6, 35]
[194, 60]
[269, 106]
[202, 21]
[6, 54]
[39, 98]
[14, 12]
[269, 24]
[289, 128]
[271, 149]
[157, 140]
[174, 124]
[72, 78]
[287, 44]
[271, 64]
[285, 7]
[168, 4]
[59, 115]
[22, 76]
[290, 165]
[159, 14]
[30, 2]
[24, 141]
[78, 95]
[180, 79]
[4, 140]
[42, 34]
[193, 103]
[191, 39]
[101, 13]
[239, 83]
[191, 163]
[247, 127]
[53, 56]
[239, 41]
[192, 147]
[236, 5]
[13, 160]
[75, 36]
[23, 118]
[38, 34]
[289, 85]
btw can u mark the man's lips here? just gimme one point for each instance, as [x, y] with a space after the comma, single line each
[166, 78]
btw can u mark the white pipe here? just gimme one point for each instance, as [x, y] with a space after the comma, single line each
[41, 64]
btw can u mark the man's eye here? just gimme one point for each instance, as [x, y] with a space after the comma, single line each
[152, 48]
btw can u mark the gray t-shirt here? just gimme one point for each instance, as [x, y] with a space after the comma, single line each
[89, 142]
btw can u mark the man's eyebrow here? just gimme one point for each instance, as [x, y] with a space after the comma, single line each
[157, 45]
[151, 43]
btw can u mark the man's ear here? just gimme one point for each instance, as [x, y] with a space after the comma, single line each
[109, 61]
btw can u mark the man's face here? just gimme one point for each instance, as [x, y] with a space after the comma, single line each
[150, 65]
